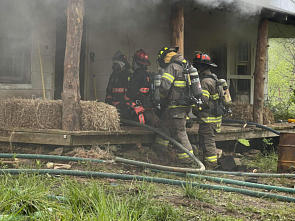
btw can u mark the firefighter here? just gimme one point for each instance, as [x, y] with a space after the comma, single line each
[116, 92]
[173, 96]
[140, 90]
[210, 115]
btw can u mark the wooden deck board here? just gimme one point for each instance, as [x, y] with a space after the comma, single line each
[127, 135]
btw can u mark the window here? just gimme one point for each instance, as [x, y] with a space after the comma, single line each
[242, 69]
[243, 52]
[15, 60]
[243, 59]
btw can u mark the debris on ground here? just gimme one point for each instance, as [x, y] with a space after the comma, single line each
[93, 152]
[58, 166]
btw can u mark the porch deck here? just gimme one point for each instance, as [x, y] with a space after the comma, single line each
[128, 135]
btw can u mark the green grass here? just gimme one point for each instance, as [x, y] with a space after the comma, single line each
[25, 197]
[196, 193]
[263, 162]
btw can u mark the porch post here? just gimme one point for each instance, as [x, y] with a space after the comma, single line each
[177, 26]
[259, 73]
[71, 109]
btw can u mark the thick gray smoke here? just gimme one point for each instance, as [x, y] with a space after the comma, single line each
[244, 8]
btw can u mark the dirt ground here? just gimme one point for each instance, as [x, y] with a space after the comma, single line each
[206, 205]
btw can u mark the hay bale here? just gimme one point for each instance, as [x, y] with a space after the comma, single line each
[47, 114]
[99, 116]
[30, 113]
[245, 112]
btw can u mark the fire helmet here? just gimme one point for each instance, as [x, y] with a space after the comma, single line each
[120, 62]
[202, 58]
[162, 54]
[141, 58]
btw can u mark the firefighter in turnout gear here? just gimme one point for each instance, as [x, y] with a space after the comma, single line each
[174, 97]
[140, 90]
[118, 83]
[210, 115]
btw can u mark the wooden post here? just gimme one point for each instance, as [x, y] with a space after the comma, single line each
[177, 26]
[260, 66]
[71, 109]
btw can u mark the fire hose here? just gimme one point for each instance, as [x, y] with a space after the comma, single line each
[142, 164]
[148, 179]
[250, 123]
[176, 143]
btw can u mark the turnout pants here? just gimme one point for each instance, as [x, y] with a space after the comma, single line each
[173, 123]
[207, 133]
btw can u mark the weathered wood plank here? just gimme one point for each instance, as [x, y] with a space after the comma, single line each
[129, 135]
[112, 139]
[37, 138]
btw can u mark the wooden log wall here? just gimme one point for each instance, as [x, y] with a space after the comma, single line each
[177, 26]
[259, 73]
[71, 117]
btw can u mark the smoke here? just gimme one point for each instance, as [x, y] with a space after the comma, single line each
[214, 3]
[239, 7]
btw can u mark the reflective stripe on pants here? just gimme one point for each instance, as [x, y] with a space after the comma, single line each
[184, 155]
[211, 159]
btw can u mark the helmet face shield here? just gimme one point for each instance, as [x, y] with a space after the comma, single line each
[118, 66]
[141, 58]
[202, 58]
[120, 62]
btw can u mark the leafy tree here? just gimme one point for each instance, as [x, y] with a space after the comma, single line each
[281, 83]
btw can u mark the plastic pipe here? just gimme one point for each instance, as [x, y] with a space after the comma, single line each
[51, 157]
[191, 170]
[148, 179]
[156, 166]
[77, 159]
[144, 164]
[251, 123]
[234, 182]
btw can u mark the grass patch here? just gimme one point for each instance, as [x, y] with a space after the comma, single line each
[266, 162]
[25, 197]
[195, 192]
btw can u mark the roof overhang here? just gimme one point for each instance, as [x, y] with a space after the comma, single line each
[282, 6]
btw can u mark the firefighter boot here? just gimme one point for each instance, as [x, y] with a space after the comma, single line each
[211, 165]
[198, 152]
[161, 152]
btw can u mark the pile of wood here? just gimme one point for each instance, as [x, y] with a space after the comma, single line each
[47, 114]
[245, 112]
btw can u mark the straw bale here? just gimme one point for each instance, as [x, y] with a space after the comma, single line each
[30, 113]
[245, 112]
[99, 116]
[47, 114]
